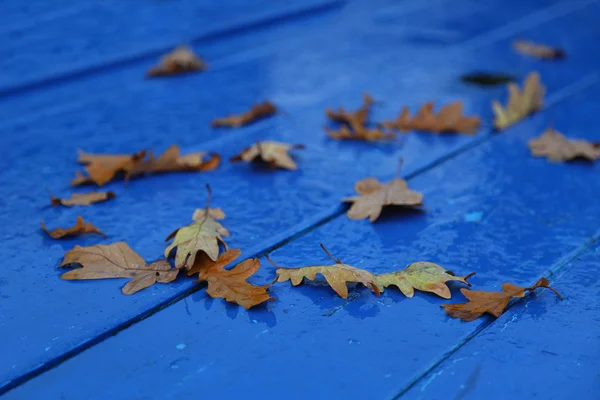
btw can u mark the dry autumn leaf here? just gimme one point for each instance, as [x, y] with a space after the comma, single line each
[494, 303]
[80, 228]
[258, 111]
[556, 147]
[520, 104]
[274, 154]
[362, 133]
[375, 195]
[449, 119]
[204, 234]
[354, 124]
[82, 199]
[116, 260]
[102, 168]
[424, 276]
[538, 50]
[180, 60]
[231, 284]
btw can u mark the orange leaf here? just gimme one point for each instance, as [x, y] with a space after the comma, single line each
[354, 124]
[82, 199]
[101, 168]
[80, 228]
[449, 119]
[556, 147]
[180, 60]
[275, 154]
[258, 111]
[494, 303]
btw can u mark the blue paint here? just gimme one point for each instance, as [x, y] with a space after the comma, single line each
[92, 94]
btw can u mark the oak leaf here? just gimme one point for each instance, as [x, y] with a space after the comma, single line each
[274, 154]
[375, 195]
[494, 303]
[231, 284]
[258, 111]
[80, 228]
[449, 119]
[538, 50]
[171, 160]
[204, 234]
[520, 103]
[82, 199]
[354, 124]
[424, 276]
[116, 260]
[102, 168]
[361, 133]
[556, 147]
[178, 61]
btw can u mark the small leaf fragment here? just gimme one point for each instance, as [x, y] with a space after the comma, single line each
[257, 112]
[556, 147]
[520, 104]
[494, 303]
[274, 154]
[82, 199]
[80, 228]
[537, 50]
[179, 61]
[116, 260]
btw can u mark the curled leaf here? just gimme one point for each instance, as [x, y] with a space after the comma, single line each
[556, 147]
[275, 154]
[180, 60]
[82, 199]
[520, 104]
[80, 228]
[116, 260]
[258, 111]
[538, 50]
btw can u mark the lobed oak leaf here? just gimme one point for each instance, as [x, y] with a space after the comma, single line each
[80, 228]
[171, 160]
[116, 260]
[102, 168]
[178, 61]
[424, 276]
[449, 119]
[354, 124]
[538, 50]
[274, 154]
[82, 199]
[231, 284]
[520, 104]
[204, 234]
[494, 303]
[258, 111]
[556, 147]
[362, 133]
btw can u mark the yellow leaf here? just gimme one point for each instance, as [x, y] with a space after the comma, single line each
[520, 104]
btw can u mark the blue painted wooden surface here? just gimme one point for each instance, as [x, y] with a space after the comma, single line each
[490, 207]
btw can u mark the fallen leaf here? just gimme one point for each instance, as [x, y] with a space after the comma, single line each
[171, 160]
[258, 111]
[494, 303]
[369, 135]
[82, 199]
[116, 260]
[375, 195]
[180, 60]
[204, 234]
[556, 147]
[275, 154]
[538, 50]
[424, 276]
[487, 78]
[231, 284]
[449, 119]
[520, 104]
[102, 168]
[80, 228]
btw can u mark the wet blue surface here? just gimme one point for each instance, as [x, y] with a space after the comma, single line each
[491, 209]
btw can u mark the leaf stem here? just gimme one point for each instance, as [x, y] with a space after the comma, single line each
[337, 261]
[272, 262]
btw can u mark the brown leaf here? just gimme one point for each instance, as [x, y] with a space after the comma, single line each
[180, 60]
[538, 50]
[80, 228]
[494, 303]
[449, 119]
[102, 168]
[272, 153]
[520, 104]
[374, 195]
[369, 135]
[354, 124]
[116, 260]
[82, 199]
[172, 161]
[556, 147]
[231, 284]
[258, 111]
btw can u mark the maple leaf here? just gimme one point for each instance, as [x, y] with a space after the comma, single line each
[449, 119]
[538, 50]
[424, 276]
[258, 111]
[375, 195]
[116, 260]
[494, 303]
[80, 228]
[520, 104]
[231, 284]
[275, 154]
[82, 199]
[102, 168]
[204, 234]
[556, 147]
[178, 61]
